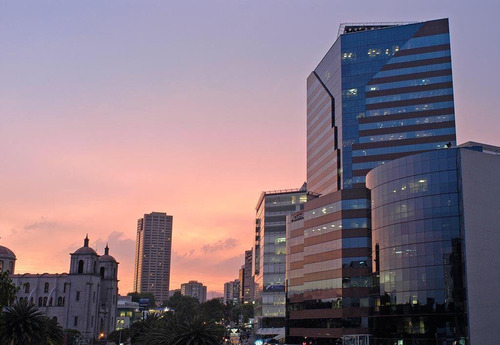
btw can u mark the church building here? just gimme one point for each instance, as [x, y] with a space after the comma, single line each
[84, 299]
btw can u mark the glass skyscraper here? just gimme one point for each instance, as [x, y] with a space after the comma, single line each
[380, 93]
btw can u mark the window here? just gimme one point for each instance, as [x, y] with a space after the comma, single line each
[64, 287]
[45, 301]
[26, 287]
[64, 301]
[75, 322]
[46, 288]
[40, 301]
[31, 300]
[77, 296]
[54, 318]
[80, 267]
[95, 265]
[102, 272]
[59, 302]
[50, 302]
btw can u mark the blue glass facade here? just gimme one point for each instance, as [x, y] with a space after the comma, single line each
[380, 93]
[417, 250]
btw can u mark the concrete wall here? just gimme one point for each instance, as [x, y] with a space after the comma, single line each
[481, 201]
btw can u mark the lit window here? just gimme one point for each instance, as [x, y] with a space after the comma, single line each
[373, 52]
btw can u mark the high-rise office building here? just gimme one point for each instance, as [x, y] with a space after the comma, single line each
[381, 92]
[269, 255]
[152, 255]
[194, 289]
[434, 217]
[246, 279]
[232, 292]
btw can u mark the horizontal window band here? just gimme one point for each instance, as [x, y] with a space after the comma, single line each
[389, 130]
[416, 63]
[402, 116]
[410, 76]
[409, 89]
[422, 50]
[403, 142]
[416, 101]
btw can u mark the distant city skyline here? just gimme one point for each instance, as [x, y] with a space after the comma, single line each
[100, 101]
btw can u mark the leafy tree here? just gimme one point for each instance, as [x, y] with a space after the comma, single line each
[136, 296]
[24, 324]
[183, 305]
[8, 290]
[214, 309]
[245, 310]
[141, 331]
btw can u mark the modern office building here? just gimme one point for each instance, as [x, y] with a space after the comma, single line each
[434, 219]
[381, 92]
[232, 292]
[269, 255]
[84, 299]
[153, 251]
[194, 289]
[246, 279]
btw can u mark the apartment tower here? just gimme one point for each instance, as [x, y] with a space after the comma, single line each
[381, 92]
[153, 252]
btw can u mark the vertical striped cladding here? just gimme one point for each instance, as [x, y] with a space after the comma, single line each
[322, 160]
[409, 102]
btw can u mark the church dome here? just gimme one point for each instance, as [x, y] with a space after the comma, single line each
[7, 253]
[106, 257]
[85, 250]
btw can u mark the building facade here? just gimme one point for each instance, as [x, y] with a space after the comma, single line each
[270, 254]
[128, 312]
[381, 92]
[84, 299]
[433, 220]
[246, 279]
[232, 292]
[194, 289]
[153, 254]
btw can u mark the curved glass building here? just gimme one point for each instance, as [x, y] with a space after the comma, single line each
[418, 250]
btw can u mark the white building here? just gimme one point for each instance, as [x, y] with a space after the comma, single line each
[83, 299]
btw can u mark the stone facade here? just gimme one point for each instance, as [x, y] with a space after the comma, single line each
[85, 299]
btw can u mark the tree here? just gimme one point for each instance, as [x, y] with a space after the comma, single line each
[121, 334]
[53, 332]
[183, 305]
[136, 296]
[8, 290]
[195, 331]
[214, 309]
[71, 335]
[141, 331]
[24, 324]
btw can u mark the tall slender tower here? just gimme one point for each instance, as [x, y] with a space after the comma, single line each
[152, 255]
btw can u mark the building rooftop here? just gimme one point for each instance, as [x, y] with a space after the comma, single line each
[348, 28]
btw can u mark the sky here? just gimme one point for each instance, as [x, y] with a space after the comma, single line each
[113, 109]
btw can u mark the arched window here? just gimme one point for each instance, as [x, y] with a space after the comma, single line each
[54, 318]
[31, 300]
[45, 301]
[95, 266]
[59, 302]
[40, 301]
[50, 302]
[64, 301]
[102, 272]
[80, 267]
[26, 287]
[46, 288]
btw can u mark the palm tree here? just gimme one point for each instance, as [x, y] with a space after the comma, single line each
[53, 332]
[194, 332]
[24, 324]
